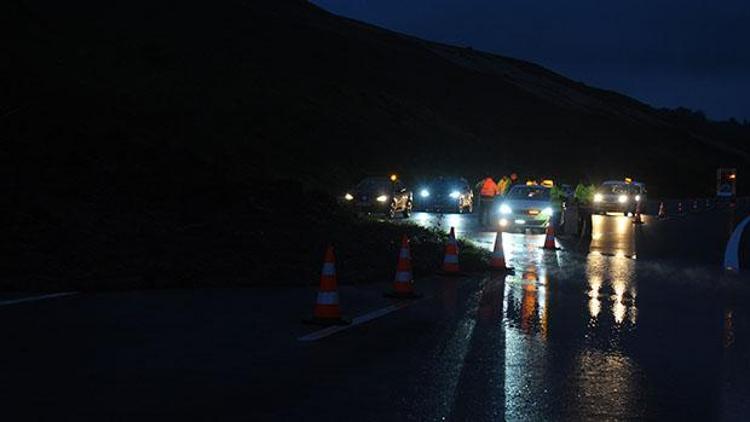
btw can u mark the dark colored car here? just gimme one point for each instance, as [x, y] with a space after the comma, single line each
[617, 196]
[451, 194]
[380, 195]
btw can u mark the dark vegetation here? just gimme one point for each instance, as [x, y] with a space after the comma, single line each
[160, 140]
[223, 235]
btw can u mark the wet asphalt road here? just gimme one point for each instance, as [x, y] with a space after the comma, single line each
[584, 333]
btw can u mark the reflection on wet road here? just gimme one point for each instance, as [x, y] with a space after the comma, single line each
[579, 342]
[611, 235]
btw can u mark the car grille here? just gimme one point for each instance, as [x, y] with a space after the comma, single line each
[531, 211]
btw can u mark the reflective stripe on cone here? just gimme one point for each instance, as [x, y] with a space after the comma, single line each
[403, 277]
[328, 298]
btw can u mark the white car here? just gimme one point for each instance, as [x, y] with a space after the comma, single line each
[526, 207]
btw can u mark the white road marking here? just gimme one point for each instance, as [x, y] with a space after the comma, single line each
[317, 335]
[36, 298]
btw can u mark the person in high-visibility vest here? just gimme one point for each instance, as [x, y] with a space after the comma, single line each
[514, 179]
[503, 185]
[487, 194]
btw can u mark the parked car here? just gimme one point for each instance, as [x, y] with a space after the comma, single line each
[451, 194]
[380, 195]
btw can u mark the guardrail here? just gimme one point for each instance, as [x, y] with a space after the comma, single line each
[678, 207]
[732, 253]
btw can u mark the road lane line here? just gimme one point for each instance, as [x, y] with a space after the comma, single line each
[36, 298]
[317, 335]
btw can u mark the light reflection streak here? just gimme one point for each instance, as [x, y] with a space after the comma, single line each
[615, 272]
[728, 329]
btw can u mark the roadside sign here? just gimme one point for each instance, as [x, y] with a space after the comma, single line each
[726, 182]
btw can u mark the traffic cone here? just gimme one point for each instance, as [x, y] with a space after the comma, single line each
[662, 211]
[497, 262]
[403, 283]
[450, 261]
[327, 310]
[549, 240]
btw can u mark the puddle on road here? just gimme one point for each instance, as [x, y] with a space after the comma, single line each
[570, 333]
[580, 337]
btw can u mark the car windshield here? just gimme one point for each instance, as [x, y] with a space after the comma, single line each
[374, 184]
[534, 193]
[615, 188]
[447, 184]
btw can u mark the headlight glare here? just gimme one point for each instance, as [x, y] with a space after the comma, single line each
[505, 209]
[348, 197]
[455, 194]
[638, 197]
[547, 211]
[382, 198]
[598, 197]
[424, 193]
[622, 199]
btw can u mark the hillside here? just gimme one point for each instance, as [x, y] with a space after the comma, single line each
[141, 98]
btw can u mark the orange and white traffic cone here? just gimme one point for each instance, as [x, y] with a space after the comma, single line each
[403, 283]
[549, 240]
[662, 211]
[450, 261]
[327, 310]
[497, 262]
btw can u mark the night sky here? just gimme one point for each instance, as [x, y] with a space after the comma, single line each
[691, 53]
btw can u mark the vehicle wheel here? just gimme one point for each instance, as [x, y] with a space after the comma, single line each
[391, 211]
[626, 213]
[407, 211]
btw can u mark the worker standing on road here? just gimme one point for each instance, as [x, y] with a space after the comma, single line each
[487, 194]
[584, 196]
[513, 179]
[503, 185]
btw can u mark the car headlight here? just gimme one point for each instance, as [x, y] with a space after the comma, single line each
[598, 197]
[638, 197]
[348, 197]
[455, 194]
[622, 199]
[424, 193]
[382, 198]
[505, 209]
[547, 211]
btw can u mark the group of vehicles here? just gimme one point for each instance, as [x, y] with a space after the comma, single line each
[523, 206]
[389, 196]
